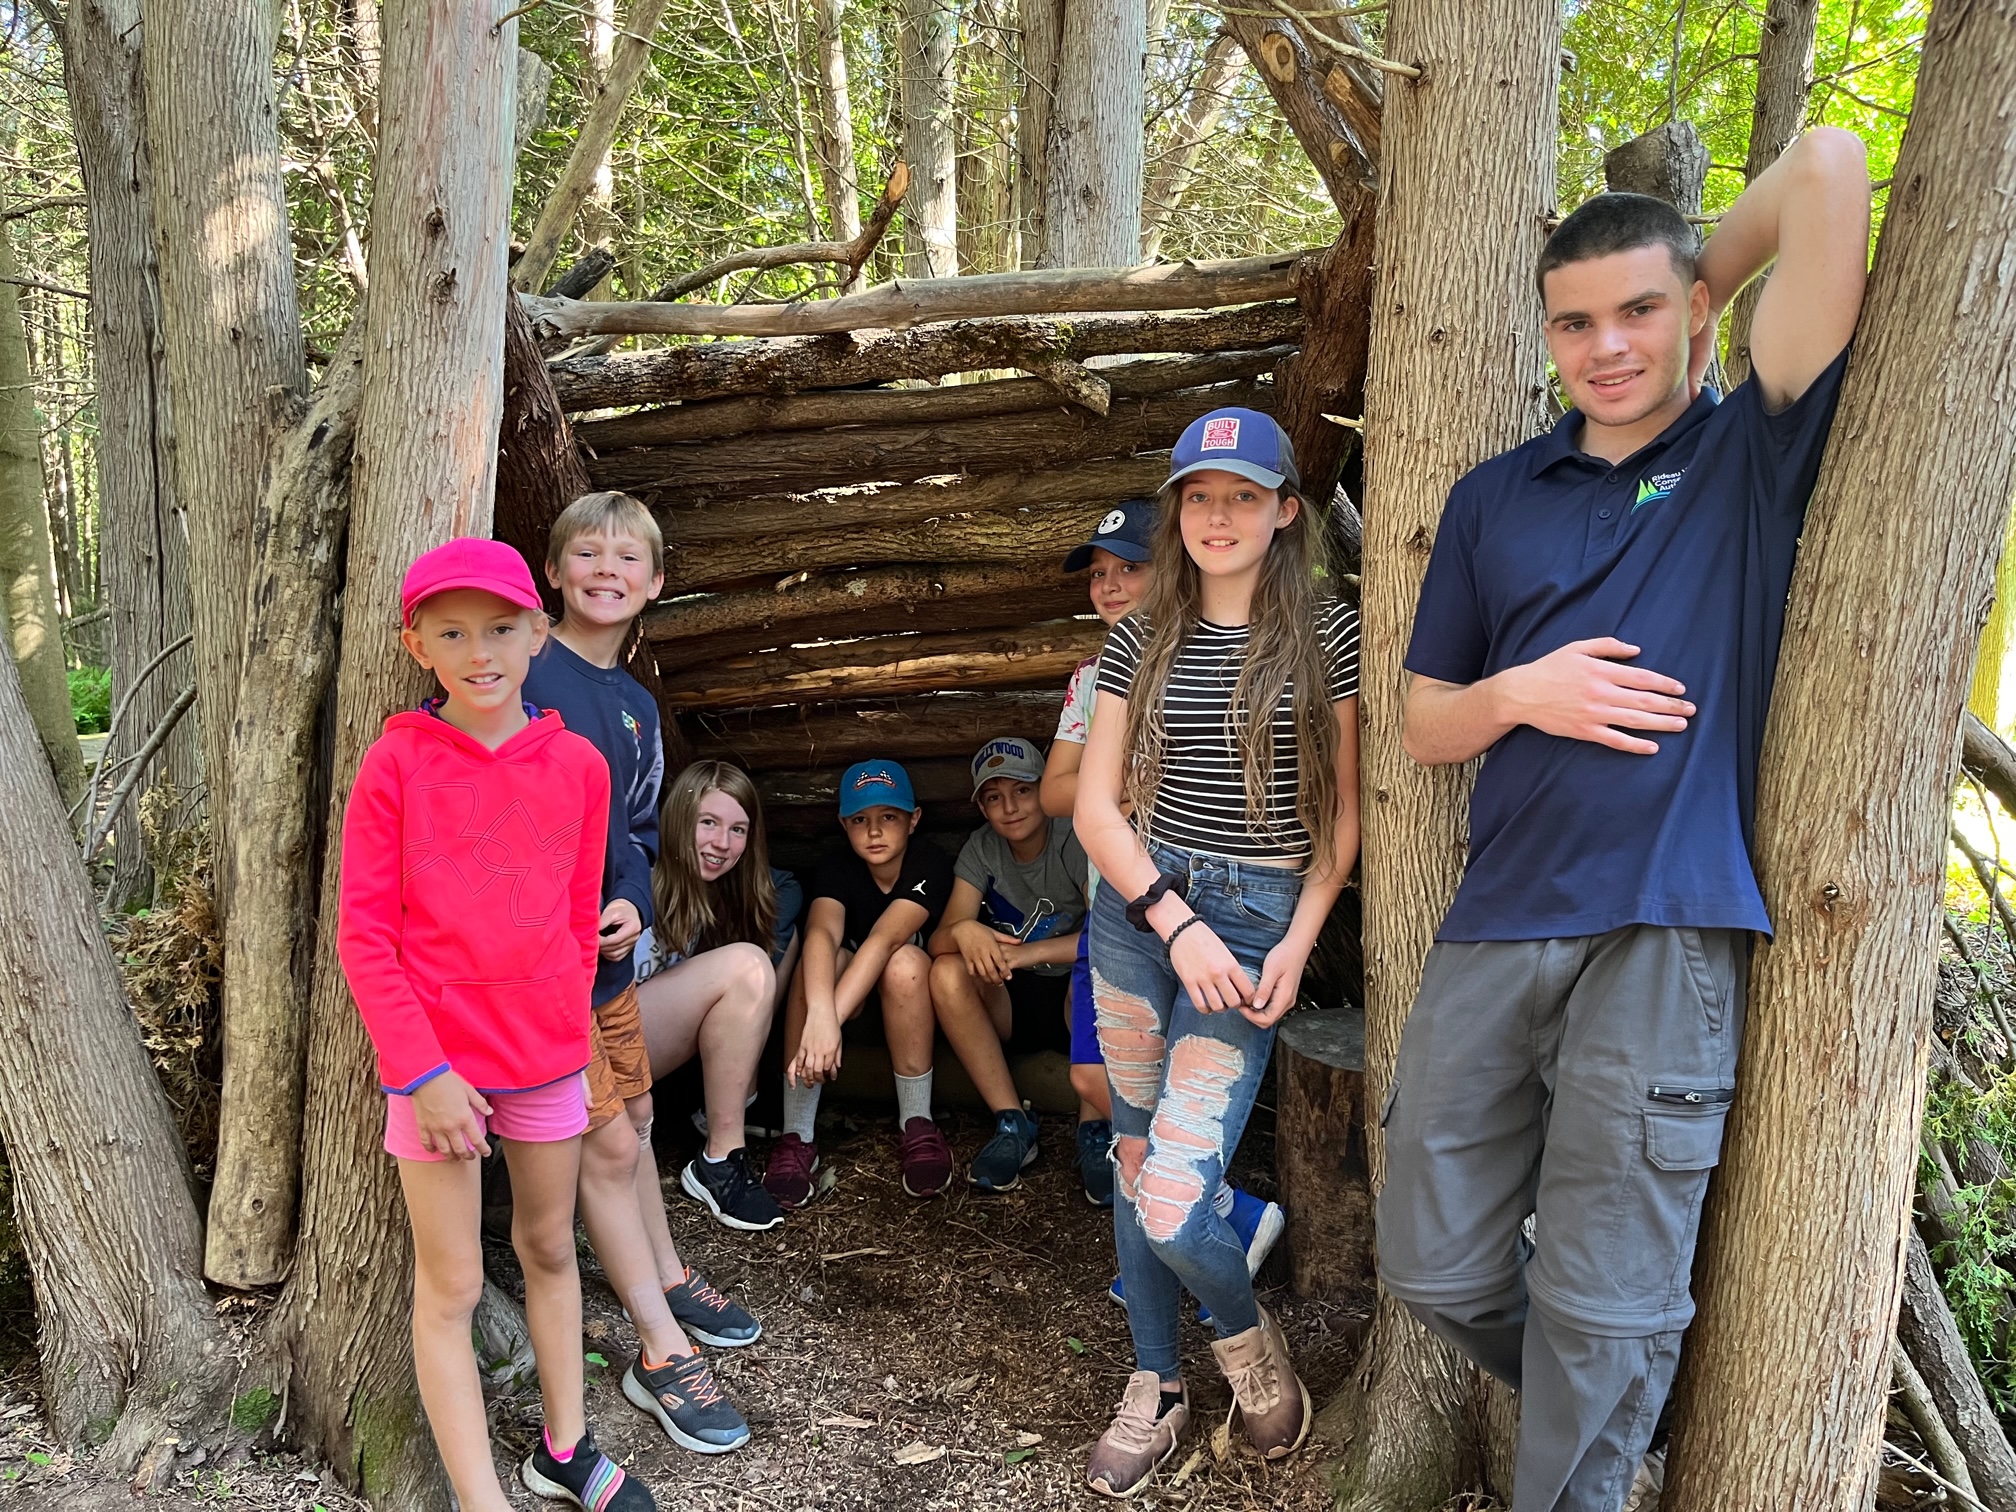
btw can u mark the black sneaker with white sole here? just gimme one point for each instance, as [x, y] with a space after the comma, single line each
[1001, 1161]
[709, 1316]
[731, 1192]
[587, 1478]
[689, 1404]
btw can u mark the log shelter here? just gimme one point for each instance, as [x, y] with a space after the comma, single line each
[865, 526]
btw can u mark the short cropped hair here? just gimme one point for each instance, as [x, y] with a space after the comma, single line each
[607, 510]
[1612, 223]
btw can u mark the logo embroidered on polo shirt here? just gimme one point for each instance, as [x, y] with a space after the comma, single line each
[1657, 487]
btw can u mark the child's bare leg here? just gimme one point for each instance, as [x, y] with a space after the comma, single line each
[671, 1270]
[907, 1020]
[1095, 1098]
[444, 1202]
[544, 1177]
[612, 1209]
[976, 1018]
[717, 1006]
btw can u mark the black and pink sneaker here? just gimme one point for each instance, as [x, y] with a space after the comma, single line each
[587, 1477]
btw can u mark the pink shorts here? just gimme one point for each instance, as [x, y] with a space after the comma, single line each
[545, 1115]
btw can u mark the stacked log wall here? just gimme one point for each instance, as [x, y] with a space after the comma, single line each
[865, 532]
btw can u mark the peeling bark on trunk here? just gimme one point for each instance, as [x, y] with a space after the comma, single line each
[1458, 370]
[145, 551]
[1782, 1388]
[129, 1344]
[539, 468]
[425, 470]
[1784, 79]
[269, 939]
[1333, 108]
[231, 322]
[1042, 43]
[33, 625]
[928, 31]
[1092, 206]
[836, 124]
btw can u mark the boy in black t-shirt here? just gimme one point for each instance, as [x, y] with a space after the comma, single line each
[873, 906]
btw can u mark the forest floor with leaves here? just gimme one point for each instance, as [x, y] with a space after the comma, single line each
[957, 1354]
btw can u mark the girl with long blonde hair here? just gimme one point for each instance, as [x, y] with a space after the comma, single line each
[722, 936]
[1232, 732]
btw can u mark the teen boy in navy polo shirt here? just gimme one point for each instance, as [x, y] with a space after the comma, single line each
[1601, 620]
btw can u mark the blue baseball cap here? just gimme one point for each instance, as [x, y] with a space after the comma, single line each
[1125, 530]
[1243, 442]
[875, 784]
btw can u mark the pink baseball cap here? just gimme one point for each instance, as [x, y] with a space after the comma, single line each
[468, 562]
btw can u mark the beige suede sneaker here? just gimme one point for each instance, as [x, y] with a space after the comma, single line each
[1266, 1393]
[1129, 1452]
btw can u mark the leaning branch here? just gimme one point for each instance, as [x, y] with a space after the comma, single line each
[905, 303]
[183, 702]
[851, 253]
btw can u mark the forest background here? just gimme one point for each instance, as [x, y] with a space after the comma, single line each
[731, 140]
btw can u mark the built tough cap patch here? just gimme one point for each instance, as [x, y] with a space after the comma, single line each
[1221, 434]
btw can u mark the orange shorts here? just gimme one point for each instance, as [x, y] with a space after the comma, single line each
[619, 1066]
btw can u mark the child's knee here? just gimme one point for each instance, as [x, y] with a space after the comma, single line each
[448, 1296]
[609, 1153]
[544, 1243]
[908, 974]
[750, 974]
[639, 1111]
[949, 977]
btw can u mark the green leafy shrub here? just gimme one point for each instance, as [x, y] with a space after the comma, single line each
[91, 699]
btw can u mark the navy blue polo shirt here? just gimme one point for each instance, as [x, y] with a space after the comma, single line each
[1683, 549]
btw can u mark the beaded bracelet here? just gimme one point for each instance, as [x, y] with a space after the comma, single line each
[1170, 943]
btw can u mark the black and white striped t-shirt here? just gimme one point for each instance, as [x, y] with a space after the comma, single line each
[1201, 804]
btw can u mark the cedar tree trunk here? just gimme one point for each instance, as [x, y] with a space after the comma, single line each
[231, 322]
[1042, 42]
[836, 124]
[1783, 1385]
[34, 628]
[129, 1345]
[1458, 370]
[927, 30]
[144, 546]
[1092, 213]
[425, 454]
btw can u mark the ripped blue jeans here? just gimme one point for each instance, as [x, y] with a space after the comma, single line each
[1184, 1082]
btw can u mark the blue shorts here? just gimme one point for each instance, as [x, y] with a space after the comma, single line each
[1084, 1021]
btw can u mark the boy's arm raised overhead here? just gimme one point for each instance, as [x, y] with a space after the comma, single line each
[368, 918]
[1810, 212]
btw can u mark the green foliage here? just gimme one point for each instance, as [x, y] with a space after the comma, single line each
[1979, 1264]
[91, 699]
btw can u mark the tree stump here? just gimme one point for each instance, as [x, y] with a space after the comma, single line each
[1319, 1150]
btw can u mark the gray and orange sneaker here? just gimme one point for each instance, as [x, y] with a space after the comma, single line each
[688, 1402]
[1145, 1431]
[710, 1316]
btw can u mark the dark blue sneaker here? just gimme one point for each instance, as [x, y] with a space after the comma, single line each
[1119, 1294]
[1095, 1163]
[1001, 1161]
[1259, 1225]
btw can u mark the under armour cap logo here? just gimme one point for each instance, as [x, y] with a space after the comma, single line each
[1113, 521]
[1221, 434]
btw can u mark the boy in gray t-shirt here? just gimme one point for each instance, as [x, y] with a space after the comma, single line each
[1002, 953]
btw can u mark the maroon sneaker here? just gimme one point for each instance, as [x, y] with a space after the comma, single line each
[926, 1158]
[788, 1176]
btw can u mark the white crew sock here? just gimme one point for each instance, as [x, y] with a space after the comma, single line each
[801, 1109]
[913, 1099]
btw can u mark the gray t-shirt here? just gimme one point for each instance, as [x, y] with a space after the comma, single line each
[1035, 900]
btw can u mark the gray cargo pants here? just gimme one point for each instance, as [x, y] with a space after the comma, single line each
[1584, 1082]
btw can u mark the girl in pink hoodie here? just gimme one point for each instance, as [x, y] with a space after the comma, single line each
[470, 893]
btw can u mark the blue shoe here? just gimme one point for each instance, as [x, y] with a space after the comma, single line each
[999, 1165]
[1259, 1225]
[1119, 1295]
[1095, 1165]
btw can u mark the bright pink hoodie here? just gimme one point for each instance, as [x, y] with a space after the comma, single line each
[471, 894]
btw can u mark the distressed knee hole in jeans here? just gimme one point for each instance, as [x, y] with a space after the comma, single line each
[1130, 1037]
[1128, 1152]
[1189, 1130]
